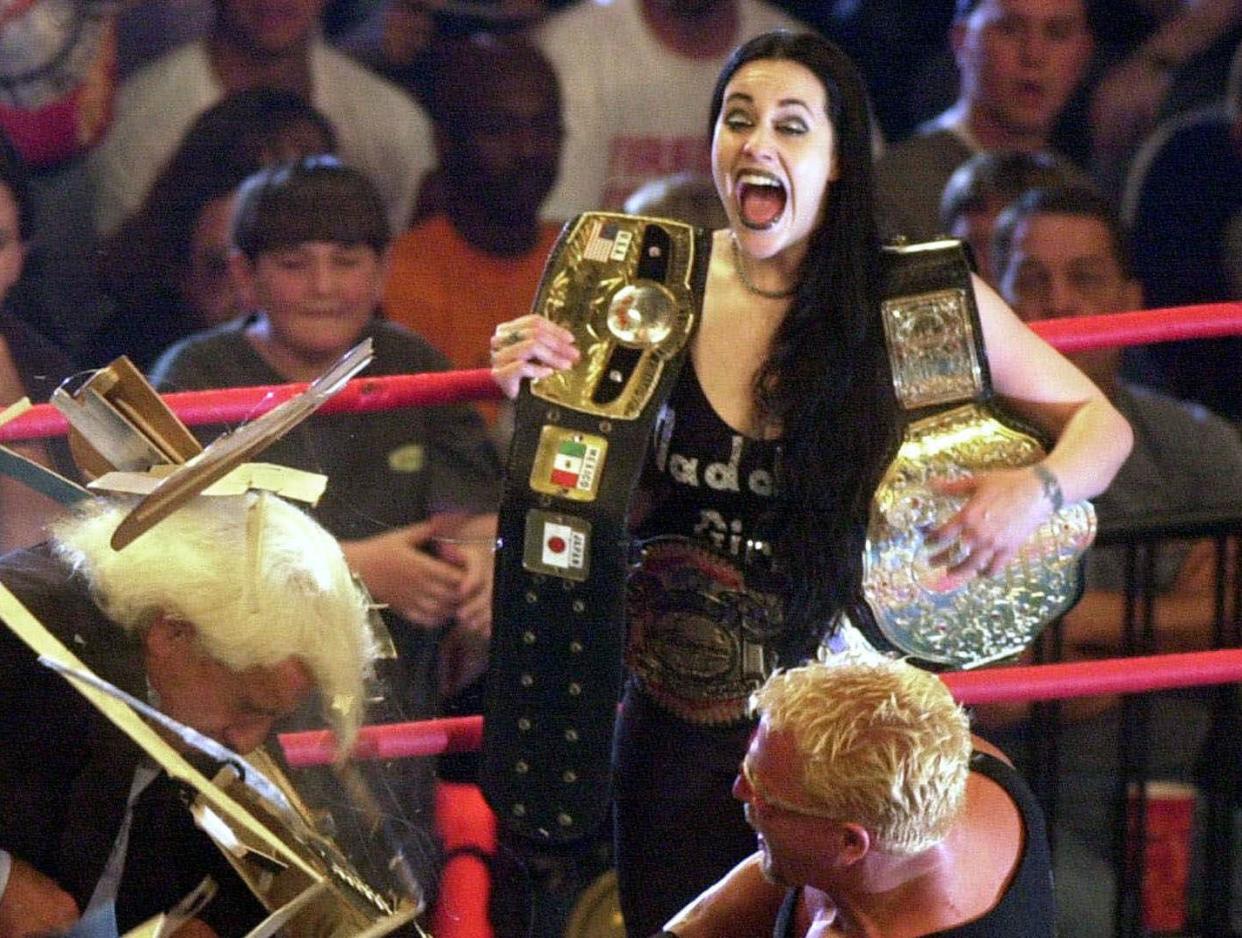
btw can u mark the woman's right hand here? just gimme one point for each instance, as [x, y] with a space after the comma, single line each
[530, 346]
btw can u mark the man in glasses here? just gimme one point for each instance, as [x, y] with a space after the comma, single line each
[877, 812]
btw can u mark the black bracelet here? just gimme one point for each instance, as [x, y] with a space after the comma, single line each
[1051, 488]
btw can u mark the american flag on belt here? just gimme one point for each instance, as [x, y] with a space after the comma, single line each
[599, 247]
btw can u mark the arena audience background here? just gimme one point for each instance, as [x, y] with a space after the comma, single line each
[1133, 95]
[166, 268]
[1061, 252]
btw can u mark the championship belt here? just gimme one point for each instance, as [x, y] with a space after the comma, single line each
[701, 630]
[953, 428]
[630, 289]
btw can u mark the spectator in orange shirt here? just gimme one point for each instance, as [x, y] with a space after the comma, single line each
[477, 260]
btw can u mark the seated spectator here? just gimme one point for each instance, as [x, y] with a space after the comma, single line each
[379, 128]
[57, 82]
[30, 366]
[227, 625]
[477, 262]
[1061, 252]
[1182, 199]
[686, 196]
[1019, 64]
[166, 267]
[1175, 64]
[396, 36]
[412, 492]
[875, 817]
[982, 186]
[635, 116]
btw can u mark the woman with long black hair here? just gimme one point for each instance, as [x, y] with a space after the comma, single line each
[787, 387]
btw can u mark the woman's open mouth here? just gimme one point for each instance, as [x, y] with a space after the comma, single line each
[761, 199]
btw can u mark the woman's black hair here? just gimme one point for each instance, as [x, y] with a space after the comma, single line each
[826, 382]
[317, 198]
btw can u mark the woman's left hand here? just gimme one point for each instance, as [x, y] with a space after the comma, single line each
[1002, 510]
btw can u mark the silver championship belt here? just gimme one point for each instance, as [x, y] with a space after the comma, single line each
[953, 428]
[630, 289]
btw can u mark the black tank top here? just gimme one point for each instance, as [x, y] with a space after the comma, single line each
[712, 484]
[1026, 910]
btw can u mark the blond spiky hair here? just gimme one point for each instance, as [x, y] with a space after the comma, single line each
[883, 745]
[258, 579]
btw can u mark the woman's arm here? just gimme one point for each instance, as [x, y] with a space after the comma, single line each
[1004, 507]
[1035, 380]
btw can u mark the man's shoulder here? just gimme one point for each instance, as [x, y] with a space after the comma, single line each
[158, 102]
[401, 350]
[436, 236]
[227, 335]
[1163, 413]
[330, 62]
[1175, 158]
[929, 140]
[581, 21]
[202, 351]
[581, 42]
[910, 178]
[186, 60]
[564, 33]
[435, 232]
[335, 71]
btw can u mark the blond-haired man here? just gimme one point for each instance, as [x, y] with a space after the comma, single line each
[877, 814]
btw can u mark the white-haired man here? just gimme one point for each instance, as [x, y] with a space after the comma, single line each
[225, 616]
[875, 817]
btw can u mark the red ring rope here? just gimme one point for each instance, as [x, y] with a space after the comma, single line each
[994, 685]
[235, 405]
[1173, 324]
[462, 816]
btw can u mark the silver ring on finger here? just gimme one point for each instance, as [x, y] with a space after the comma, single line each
[512, 338]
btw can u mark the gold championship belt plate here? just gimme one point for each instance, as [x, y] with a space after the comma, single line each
[953, 428]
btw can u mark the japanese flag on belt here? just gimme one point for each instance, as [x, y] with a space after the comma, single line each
[563, 547]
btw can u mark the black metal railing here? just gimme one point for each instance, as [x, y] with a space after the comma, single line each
[1220, 761]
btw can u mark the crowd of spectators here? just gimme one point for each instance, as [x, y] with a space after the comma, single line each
[481, 125]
